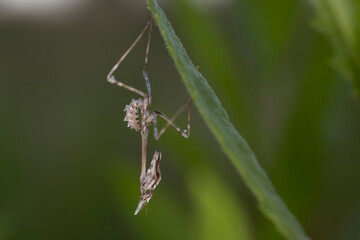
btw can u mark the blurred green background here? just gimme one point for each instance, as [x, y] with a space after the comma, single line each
[69, 166]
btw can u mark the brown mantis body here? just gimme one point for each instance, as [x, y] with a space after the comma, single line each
[151, 178]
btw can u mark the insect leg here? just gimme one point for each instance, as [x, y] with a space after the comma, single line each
[110, 77]
[170, 122]
[145, 72]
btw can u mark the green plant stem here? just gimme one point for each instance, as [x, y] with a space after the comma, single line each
[229, 139]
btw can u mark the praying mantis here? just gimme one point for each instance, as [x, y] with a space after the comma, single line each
[150, 178]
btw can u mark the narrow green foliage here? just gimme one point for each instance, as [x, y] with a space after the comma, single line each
[208, 190]
[230, 140]
[340, 21]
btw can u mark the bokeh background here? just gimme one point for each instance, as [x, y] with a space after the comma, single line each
[69, 166]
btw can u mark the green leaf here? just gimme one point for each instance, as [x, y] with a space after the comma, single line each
[213, 200]
[340, 21]
[230, 140]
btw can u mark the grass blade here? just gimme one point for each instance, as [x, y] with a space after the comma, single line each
[208, 190]
[339, 21]
[230, 140]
